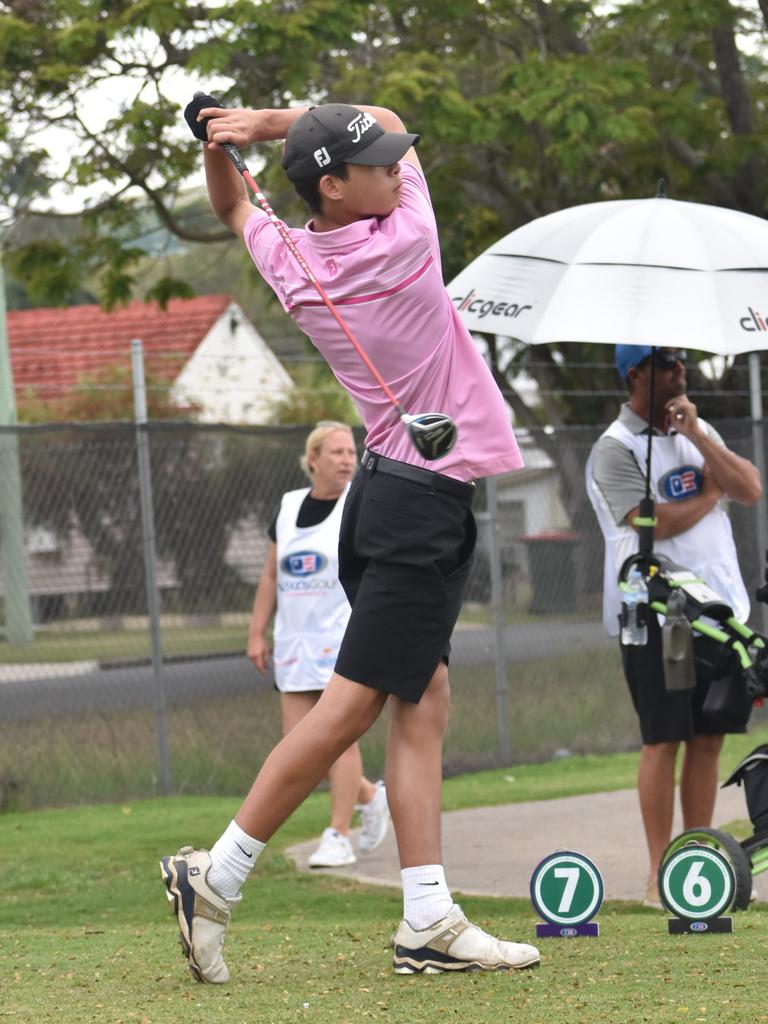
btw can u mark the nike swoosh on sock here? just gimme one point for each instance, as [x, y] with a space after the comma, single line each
[429, 883]
[250, 855]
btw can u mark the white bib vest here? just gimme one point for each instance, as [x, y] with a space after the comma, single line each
[312, 608]
[707, 548]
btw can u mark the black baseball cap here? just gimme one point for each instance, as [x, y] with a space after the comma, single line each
[337, 133]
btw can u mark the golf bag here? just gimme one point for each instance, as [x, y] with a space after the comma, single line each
[740, 672]
[752, 773]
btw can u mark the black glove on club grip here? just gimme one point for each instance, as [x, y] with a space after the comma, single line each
[192, 109]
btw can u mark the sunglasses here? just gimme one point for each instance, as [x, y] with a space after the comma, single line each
[666, 360]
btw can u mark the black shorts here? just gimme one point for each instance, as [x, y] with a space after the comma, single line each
[677, 715]
[405, 551]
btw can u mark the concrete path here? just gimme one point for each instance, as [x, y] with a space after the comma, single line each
[492, 851]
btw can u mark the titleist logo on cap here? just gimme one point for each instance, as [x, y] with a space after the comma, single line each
[359, 125]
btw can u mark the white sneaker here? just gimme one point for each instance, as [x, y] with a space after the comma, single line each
[374, 817]
[453, 944]
[202, 913]
[334, 851]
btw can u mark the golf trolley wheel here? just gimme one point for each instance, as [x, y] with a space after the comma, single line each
[729, 847]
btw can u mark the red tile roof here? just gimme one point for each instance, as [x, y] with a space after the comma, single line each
[52, 349]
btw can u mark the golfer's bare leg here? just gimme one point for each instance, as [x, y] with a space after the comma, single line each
[656, 789]
[303, 757]
[414, 771]
[698, 780]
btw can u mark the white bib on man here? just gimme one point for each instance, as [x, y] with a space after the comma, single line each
[707, 548]
[312, 608]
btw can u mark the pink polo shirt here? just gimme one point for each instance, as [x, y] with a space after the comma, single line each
[384, 275]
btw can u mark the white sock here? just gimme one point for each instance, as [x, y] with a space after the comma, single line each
[426, 897]
[232, 858]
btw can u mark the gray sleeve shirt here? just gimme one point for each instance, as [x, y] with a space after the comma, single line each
[618, 476]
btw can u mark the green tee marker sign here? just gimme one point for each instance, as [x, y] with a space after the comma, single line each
[567, 891]
[697, 884]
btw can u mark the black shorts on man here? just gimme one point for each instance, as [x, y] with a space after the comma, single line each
[405, 550]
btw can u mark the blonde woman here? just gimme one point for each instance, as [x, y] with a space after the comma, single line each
[300, 584]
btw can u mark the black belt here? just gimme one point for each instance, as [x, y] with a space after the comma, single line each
[373, 463]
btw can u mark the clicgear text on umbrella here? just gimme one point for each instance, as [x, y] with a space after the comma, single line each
[482, 307]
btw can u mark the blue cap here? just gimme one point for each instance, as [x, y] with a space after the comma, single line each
[628, 356]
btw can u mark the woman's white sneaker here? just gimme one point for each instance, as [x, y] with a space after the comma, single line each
[334, 851]
[453, 944]
[374, 817]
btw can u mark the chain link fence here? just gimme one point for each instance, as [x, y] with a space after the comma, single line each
[87, 689]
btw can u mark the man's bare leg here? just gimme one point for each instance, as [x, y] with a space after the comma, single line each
[302, 758]
[415, 770]
[698, 780]
[434, 932]
[656, 789]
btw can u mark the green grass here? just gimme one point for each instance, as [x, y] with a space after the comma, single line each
[86, 935]
[125, 645]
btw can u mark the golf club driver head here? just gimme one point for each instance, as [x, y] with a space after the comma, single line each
[433, 433]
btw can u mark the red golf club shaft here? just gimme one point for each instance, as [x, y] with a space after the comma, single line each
[234, 155]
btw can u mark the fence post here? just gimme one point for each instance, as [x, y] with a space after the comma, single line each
[497, 609]
[18, 615]
[150, 562]
[758, 453]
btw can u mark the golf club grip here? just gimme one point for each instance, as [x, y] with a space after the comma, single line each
[229, 148]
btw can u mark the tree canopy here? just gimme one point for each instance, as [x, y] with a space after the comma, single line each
[524, 107]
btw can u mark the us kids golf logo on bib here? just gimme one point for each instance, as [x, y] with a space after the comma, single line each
[303, 563]
[681, 483]
[567, 891]
[697, 884]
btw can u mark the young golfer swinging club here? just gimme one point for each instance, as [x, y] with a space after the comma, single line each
[407, 533]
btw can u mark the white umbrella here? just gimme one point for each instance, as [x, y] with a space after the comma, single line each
[637, 271]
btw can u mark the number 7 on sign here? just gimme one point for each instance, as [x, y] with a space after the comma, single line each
[571, 876]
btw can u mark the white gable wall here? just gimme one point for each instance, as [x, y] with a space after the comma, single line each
[233, 374]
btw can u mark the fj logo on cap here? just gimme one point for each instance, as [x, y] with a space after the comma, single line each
[359, 126]
[322, 157]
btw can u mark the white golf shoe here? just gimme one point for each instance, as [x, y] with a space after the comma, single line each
[374, 817]
[453, 944]
[203, 914]
[334, 851]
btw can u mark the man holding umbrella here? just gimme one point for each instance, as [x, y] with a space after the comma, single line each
[692, 470]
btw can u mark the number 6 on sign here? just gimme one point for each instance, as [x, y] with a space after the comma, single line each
[697, 891]
[567, 891]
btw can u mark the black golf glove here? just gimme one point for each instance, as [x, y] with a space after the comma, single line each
[192, 109]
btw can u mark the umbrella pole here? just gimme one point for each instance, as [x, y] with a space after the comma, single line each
[758, 457]
[646, 520]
